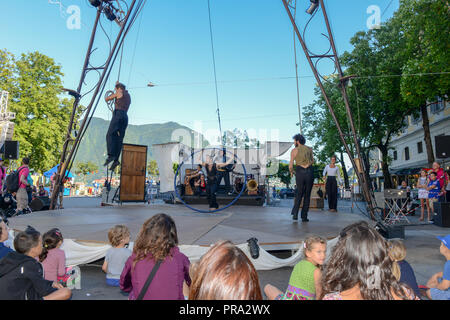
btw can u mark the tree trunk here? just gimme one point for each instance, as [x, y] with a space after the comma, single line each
[427, 135]
[385, 167]
[367, 167]
[344, 170]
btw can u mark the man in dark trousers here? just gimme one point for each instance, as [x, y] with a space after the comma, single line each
[304, 177]
[118, 124]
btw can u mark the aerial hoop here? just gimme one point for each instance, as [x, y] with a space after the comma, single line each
[219, 209]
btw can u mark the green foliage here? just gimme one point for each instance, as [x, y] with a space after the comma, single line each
[424, 27]
[153, 168]
[34, 83]
[175, 166]
[84, 168]
[284, 174]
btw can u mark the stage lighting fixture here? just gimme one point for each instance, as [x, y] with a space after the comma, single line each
[95, 3]
[314, 5]
[110, 14]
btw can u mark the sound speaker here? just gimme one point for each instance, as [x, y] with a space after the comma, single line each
[442, 214]
[12, 150]
[442, 144]
[390, 231]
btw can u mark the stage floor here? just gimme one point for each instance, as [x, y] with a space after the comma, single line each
[272, 226]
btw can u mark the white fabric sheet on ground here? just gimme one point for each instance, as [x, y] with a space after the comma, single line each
[82, 253]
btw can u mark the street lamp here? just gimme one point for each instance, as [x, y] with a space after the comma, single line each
[314, 5]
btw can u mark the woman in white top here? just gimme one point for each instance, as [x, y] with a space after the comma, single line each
[333, 176]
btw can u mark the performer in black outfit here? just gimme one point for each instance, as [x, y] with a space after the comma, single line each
[211, 184]
[223, 173]
[304, 176]
[118, 124]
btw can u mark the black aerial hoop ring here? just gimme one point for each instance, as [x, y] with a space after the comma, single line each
[216, 210]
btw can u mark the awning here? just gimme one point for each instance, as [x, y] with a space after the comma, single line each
[406, 171]
[50, 172]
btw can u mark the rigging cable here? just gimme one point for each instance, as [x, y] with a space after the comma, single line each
[296, 72]
[215, 73]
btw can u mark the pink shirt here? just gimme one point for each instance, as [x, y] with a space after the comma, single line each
[2, 176]
[55, 264]
[23, 172]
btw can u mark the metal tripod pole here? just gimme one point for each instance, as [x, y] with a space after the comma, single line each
[334, 56]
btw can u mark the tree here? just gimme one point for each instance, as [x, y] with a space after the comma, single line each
[321, 129]
[153, 168]
[85, 168]
[239, 139]
[34, 83]
[424, 27]
[284, 174]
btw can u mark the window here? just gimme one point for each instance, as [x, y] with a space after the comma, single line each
[419, 147]
[407, 153]
[437, 106]
[395, 155]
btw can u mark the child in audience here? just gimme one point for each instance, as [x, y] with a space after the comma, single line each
[434, 191]
[359, 268]
[439, 283]
[305, 280]
[156, 245]
[4, 250]
[119, 237]
[224, 273]
[53, 259]
[400, 267]
[422, 185]
[21, 275]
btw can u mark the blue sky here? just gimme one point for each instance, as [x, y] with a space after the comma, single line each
[253, 40]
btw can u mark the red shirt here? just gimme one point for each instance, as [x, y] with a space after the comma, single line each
[440, 176]
[23, 172]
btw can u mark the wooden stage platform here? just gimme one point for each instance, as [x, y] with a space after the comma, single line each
[272, 226]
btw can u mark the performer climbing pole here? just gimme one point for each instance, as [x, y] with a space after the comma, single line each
[118, 124]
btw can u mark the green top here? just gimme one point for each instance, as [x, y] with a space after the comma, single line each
[302, 276]
[304, 156]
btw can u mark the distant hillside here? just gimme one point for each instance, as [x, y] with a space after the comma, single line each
[93, 145]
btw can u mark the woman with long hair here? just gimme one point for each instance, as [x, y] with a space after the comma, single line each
[224, 273]
[333, 177]
[360, 268]
[156, 244]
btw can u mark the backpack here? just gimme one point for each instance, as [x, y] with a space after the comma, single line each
[12, 181]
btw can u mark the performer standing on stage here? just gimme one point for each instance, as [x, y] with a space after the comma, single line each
[222, 172]
[118, 124]
[211, 184]
[303, 157]
[331, 172]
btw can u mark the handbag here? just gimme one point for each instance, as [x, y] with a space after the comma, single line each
[149, 280]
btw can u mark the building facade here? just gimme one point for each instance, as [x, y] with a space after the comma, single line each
[408, 150]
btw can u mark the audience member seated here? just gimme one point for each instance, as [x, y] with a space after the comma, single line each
[359, 268]
[42, 192]
[115, 258]
[200, 186]
[224, 273]
[439, 283]
[4, 250]
[21, 275]
[156, 245]
[305, 281]
[401, 269]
